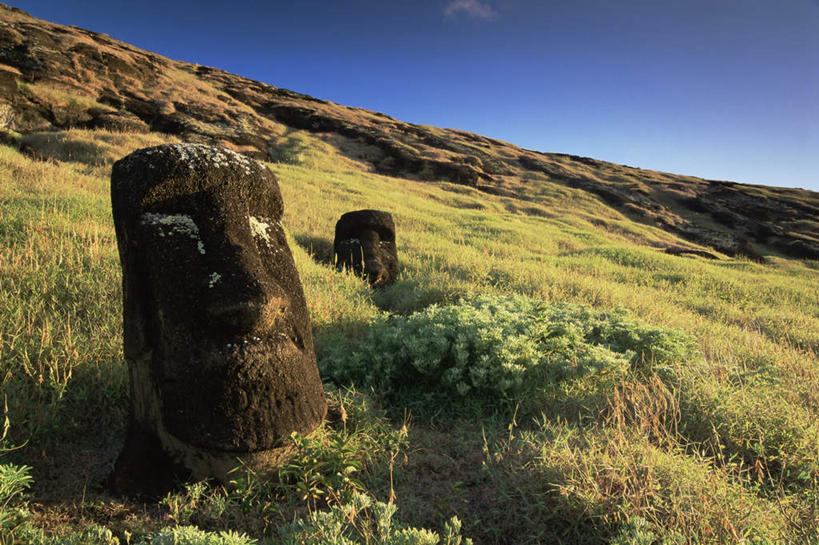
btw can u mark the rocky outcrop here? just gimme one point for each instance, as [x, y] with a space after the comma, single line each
[118, 121]
[216, 329]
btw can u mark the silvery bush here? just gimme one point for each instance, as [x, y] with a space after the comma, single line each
[499, 347]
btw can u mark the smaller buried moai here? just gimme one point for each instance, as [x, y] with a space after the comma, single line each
[216, 330]
[365, 243]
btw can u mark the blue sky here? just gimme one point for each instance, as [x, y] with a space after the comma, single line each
[723, 89]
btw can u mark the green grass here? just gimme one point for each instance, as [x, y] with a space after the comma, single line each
[723, 449]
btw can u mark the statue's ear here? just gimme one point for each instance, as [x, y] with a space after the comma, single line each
[125, 196]
[133, 294]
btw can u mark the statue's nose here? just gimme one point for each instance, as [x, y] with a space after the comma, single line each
[372, 265]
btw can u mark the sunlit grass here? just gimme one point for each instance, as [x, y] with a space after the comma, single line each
[742, 458]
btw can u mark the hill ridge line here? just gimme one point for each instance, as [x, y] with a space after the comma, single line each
[57, 77]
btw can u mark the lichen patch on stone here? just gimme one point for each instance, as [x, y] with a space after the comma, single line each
[259, 228]
[195, 155]
[174, 224]
[213, 279]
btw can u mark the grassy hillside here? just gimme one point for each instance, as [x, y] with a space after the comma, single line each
[689, 417]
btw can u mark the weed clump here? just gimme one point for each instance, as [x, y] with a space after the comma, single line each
[511, 349]
[316, 497]
[14, 518]
[363, 520]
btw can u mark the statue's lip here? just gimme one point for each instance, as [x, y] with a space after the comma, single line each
[241, 346]
[261, 340]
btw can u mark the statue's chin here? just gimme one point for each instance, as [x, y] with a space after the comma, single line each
[233, 396]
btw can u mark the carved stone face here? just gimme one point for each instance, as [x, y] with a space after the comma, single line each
[365, 243]
[212, 298]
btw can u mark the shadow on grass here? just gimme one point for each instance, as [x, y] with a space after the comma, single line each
[498, 495]
[407, 295]
[71, 441]
[320, 249]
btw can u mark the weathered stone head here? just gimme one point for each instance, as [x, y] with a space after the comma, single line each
[365, 242]
[216, 329]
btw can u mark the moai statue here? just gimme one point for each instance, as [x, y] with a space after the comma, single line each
[365, 243]
[216, 330]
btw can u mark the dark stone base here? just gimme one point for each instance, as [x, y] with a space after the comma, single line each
[144, 470]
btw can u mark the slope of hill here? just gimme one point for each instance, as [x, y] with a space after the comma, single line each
[54, 76]
[692, 418]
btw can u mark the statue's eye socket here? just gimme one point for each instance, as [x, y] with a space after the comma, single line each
[173, 225]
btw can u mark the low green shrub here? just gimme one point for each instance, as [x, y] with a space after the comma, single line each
[322, 470]
[353, 451]
[638, 531]
[190, 535]
[358, 520]
[14, 518]
[498, 348]
[16, 526]
[363, 520]
[92, 535]
[178, 535]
